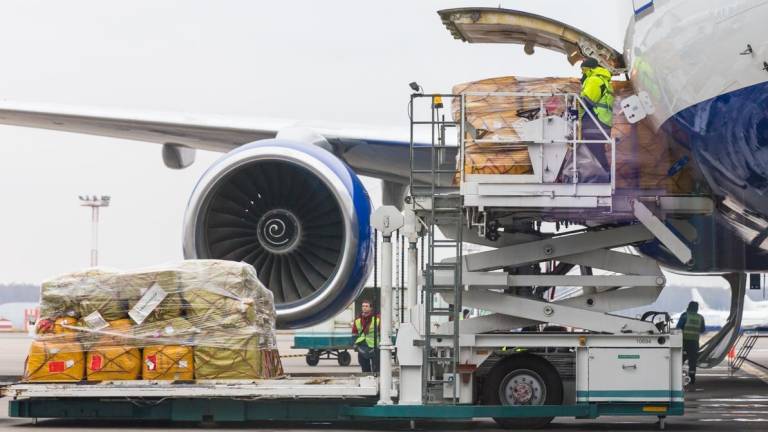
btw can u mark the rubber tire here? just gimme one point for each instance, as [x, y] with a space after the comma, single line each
[344, 358]
[312, 358]
[552, 381]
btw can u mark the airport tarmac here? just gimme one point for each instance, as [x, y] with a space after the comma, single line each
[719, 401]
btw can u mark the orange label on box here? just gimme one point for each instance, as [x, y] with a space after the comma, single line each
[96, 362]
[56, 366]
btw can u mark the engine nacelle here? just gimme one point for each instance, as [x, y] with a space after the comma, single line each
[296, 213]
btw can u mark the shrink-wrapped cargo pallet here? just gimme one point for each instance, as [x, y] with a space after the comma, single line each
[645, 158]
[199, 319]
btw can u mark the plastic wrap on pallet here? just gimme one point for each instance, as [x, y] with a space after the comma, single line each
[501, 119]
[646, 158]
[198, 319]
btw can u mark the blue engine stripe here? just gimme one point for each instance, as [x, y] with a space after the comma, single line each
[643, 7]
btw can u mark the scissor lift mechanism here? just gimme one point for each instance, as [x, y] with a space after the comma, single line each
[618, 360]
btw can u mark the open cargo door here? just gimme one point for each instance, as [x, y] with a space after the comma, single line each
[492, 25]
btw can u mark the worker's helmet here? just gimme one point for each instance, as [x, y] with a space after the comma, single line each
[693, 306]
[589, 62]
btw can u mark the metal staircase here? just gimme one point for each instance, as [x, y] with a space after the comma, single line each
[433, 192]
[750, 339]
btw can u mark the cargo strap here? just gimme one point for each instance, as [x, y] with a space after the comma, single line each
[101, 365]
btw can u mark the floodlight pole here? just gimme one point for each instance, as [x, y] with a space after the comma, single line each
[94, 236]
[95, 203]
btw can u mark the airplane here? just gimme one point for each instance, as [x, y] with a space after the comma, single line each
[754, 316]
[288, 199]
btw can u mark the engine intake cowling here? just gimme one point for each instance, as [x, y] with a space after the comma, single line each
[296, 213]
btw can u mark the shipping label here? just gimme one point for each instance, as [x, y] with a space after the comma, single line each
[95, 321]
[148, 302]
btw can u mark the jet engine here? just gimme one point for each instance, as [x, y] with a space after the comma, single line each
[296, 213]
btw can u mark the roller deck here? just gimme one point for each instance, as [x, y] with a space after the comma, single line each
[289, 387]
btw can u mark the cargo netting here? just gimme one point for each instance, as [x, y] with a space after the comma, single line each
[198, 319]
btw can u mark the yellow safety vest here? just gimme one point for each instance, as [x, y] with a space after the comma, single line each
[597, 92]
[692, 328]
[368, 336]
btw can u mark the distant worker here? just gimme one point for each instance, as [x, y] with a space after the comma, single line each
[465, 314]
[367, 327]
[597, 94]
[692, 325]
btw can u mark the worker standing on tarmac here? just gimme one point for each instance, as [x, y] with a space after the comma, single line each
[597, 94]
[367, 328]
[692, 325]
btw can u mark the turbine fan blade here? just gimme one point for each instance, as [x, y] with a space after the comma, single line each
[279, 218]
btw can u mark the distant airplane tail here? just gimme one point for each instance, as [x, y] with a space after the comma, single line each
[696, 296]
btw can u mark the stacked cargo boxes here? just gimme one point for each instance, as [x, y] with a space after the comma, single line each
[203, 319]
[647, 158]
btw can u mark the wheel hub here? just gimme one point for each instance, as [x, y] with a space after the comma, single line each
[523, 387]
[522, 393]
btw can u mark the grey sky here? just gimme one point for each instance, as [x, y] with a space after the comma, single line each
[331, 61]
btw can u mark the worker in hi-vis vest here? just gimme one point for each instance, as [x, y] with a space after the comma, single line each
[597, 94]
[692, 325]
[366, 328]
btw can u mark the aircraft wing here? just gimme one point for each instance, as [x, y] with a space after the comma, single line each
[190, 131]
[380, 154]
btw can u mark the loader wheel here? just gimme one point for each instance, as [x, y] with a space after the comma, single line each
[312, 358]
[344, 358]
[523, 380]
